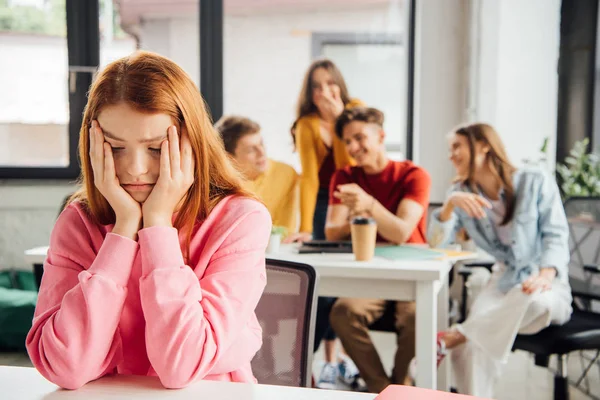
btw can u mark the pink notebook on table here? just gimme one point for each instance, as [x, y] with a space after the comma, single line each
[398, 392]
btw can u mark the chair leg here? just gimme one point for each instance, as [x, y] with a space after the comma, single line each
[463, 306]
[464, 296]
[561, 384]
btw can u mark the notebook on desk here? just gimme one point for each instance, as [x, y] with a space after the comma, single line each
[407, 253]
[398, 392]
[325, 246]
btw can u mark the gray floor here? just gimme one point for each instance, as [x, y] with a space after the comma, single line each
[521, 378]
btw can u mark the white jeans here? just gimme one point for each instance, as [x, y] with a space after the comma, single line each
[492, 325]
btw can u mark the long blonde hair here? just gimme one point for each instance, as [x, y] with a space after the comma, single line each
[496, 158]
[153, 84]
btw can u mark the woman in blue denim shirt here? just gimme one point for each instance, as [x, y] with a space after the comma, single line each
[515, 215]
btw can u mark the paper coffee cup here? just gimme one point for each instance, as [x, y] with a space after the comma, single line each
[364, 237]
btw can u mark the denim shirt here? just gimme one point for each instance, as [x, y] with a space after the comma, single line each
[539, 230]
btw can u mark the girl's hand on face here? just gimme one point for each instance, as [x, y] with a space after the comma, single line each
[330, 104]
[127, 210]
[473, 204]
[338, 104]
[175, 179]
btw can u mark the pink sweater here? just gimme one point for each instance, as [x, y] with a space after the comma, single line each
[110, 305]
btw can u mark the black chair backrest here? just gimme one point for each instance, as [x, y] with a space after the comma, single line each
[583, 214]
[286, 313]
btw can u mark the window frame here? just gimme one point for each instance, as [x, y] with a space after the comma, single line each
[211, 55]
[83, 47]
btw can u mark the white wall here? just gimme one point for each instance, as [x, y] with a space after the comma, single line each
[175, 38]
[440, 85]
[518, 86]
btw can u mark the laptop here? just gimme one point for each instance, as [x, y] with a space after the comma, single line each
[399, 392]
[324, 246]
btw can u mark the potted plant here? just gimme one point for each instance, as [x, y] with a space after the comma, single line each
[580, 177]
[542, 156]
[277, 233]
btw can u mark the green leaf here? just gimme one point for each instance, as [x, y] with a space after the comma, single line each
[580, 175]
[563, 171]
[279, 230]
[544, 148]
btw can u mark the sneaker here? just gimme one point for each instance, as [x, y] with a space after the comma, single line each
[441, 348]
[441, 354]
[412, 370]
[328, 377]
[360, 385]
[348, 370]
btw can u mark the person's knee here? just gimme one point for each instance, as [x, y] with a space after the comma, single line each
[538, 315]
[344, 312]
[463, 354]
[405, 317]
[538, 305]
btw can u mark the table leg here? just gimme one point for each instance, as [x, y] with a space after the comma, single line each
[443, 379]
[426, 330]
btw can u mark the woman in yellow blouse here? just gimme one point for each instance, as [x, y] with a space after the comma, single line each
[323, 98]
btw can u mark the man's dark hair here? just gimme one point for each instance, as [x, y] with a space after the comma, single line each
[232, 128]
[364, 114]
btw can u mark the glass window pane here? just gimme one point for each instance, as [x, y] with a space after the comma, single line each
[34, 102]
[34, 108]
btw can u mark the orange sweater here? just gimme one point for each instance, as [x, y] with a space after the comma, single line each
[312, 152]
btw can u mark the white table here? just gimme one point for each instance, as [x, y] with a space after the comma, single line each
[37, 255]
[425, 282]
[36, 258]
[27, 384]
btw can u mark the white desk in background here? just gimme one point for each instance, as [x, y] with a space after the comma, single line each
[36, 258]
[422, 281]
[27, 384]
[37, 255]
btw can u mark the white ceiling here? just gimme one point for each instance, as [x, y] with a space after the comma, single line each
[133, 10]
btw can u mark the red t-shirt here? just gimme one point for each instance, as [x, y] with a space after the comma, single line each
[399, 180]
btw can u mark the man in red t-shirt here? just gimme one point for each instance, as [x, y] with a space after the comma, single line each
[396, 195]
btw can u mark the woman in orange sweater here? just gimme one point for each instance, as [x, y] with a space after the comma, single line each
[323, 98]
